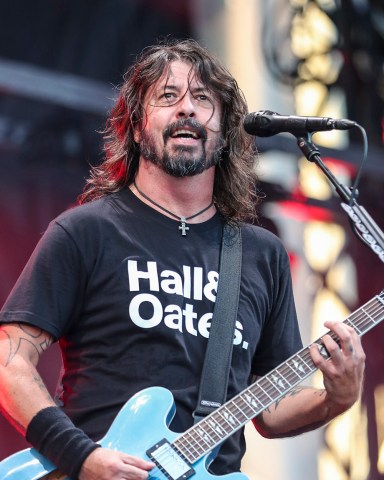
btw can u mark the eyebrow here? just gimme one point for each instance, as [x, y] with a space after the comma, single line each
[173, 87]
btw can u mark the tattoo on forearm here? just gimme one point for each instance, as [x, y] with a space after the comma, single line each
[39, 382]
[38, 339]
[292, 393]
[295, 391]
[45, 339]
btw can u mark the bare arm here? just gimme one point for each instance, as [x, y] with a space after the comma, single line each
[23, 395]
[304, 408]
[20, 348]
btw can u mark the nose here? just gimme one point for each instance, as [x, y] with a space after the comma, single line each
[186, 106]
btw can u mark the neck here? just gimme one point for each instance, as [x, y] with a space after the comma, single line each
[182, 196]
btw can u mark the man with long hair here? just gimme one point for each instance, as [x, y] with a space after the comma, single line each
[127, 280]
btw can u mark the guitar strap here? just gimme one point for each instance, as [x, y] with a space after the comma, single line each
[218, 356]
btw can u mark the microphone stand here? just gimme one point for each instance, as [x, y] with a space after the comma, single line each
[367, 230]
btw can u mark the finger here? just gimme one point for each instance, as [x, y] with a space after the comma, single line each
[138, 462]
[325, 351]
[351, 349]
[332, 346]
[347, 338]
[133, 472]
[319, 355]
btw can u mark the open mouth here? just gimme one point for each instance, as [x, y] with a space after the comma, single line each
[186, 129]
[184, 133]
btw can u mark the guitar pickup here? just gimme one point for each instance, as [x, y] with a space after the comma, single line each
[173, 465]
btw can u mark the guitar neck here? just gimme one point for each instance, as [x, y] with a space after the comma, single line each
[203, 437]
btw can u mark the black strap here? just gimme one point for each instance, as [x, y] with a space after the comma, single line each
[217, 362]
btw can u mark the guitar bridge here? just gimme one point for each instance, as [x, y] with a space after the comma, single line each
[173, 465]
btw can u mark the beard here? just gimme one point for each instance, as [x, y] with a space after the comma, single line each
[182, 161]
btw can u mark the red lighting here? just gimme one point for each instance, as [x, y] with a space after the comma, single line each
[305, 213]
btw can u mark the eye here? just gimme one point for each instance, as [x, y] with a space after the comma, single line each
[165, 98]
[168, 98]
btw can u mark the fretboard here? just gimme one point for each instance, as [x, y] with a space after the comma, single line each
[203, 437]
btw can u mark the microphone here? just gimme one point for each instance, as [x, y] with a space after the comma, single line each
[265, 124]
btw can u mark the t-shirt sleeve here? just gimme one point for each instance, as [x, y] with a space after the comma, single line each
[48, 292]
[280, 338]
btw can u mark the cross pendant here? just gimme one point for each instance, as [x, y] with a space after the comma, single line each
[183, 227]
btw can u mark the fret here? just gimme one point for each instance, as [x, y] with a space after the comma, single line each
[230, 417]
[291, 376]
[189, 456]
[240, 416]
[294, 371]
[280, 380]
[370, 311]
[308, 361]
[263, 380]
[184, 445]
[353, 325]
[370, 317]
[216, 427]
[298, 367]
[275, 391]
[221, 422]
[188, 447]
[348, 322]
[205, 436]
[252, 400]
[197, 448]
[233, 408]
[262, 395]
[302, 368]
[247, 409]
[225, 421]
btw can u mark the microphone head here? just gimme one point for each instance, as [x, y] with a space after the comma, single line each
[258, 123]
[266, 123]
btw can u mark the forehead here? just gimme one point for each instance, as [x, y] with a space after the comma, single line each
[179, 75]
[179, 71]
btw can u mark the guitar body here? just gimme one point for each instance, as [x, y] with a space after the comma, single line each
[141, 423]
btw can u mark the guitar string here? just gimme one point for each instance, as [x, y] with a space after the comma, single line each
[357, 324]
[270, 388]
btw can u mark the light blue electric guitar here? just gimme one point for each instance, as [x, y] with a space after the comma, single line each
[141, 427]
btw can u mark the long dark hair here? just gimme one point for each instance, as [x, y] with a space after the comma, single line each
[235, 180]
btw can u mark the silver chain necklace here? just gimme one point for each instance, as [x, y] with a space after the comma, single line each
[183, 220]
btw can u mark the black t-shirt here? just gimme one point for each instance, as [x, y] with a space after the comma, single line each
[130, 300]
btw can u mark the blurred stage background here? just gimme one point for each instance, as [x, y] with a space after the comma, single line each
[60, 63]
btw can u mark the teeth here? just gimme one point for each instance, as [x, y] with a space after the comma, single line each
[185, 132]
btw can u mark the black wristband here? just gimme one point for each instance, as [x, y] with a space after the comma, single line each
[53, 434]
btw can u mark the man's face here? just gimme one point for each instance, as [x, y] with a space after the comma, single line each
[181, 132]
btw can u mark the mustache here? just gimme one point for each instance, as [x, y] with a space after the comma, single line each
[185, 122]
